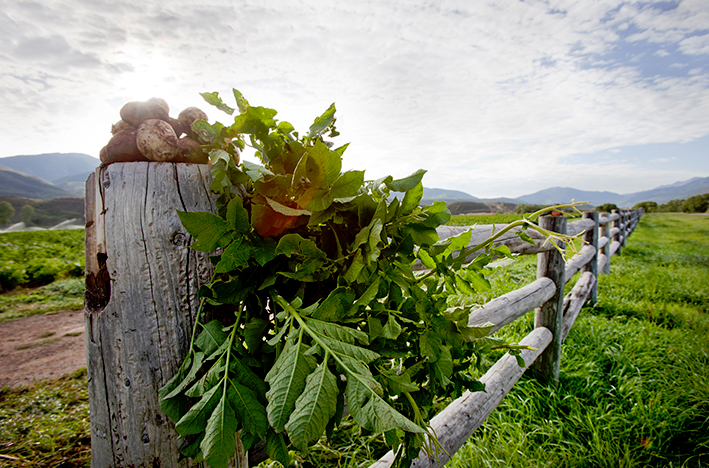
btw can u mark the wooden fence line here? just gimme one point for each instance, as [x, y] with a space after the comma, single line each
[604, 235]
[141, 301]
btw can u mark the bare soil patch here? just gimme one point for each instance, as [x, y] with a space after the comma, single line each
[41, 347]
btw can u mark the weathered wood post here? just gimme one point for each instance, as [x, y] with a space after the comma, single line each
[551, 265]
[625, 226]
[590, 237]
[618, 224]
[140, 305]
[604, 231]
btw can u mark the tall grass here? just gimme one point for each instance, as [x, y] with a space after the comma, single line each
[634, 386]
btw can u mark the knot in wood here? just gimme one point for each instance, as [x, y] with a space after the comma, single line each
[179, 239]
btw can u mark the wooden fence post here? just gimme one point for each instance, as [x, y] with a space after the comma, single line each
[618, 223]
[590, 237]
[140, 305]
[551, 265]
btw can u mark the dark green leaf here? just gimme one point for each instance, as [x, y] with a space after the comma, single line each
[209, 230]
[249, 411]
[195, 421]
[347, 185]
[276, 448]
[237, 216]
[407, 183]
[211, 337]
[219, 445]
[235, 255]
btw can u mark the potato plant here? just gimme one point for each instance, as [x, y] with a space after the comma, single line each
[324, 311]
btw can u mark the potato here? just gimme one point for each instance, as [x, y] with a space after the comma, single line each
[137, 112]
[118, 126]
[122, 148]
[156, 140]
[189, 151]
[176, 126]
[189, 116]
[160, 102]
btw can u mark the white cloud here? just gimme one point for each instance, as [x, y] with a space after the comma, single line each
[492, 99]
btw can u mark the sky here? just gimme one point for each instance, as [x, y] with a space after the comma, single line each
[495, 98]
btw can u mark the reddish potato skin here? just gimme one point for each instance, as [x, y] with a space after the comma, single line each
[177, 126]
[122, 148]
[189, 151]
[118, 126]
[156, 140]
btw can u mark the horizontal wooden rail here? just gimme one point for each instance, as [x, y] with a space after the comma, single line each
[456, 423]
[587, 253]
[513, 305]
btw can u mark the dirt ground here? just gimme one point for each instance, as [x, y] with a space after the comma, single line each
[41, 347]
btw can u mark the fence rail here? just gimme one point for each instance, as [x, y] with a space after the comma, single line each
[604, 235]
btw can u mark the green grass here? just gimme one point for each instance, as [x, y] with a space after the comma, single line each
[66, 294]
[46, 425]
[634, 389]
[634, 386]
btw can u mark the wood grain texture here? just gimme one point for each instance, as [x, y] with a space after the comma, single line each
[513, 305]
[590, 238]
[575, 300]
[457, 422]
[136, 342]
[551, 265]
[578, 261]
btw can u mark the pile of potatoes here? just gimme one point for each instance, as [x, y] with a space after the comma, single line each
[146, 132]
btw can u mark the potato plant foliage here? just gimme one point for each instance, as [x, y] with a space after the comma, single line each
[314, 266]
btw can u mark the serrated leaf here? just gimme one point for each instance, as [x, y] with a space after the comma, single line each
[237, 254]
[336, 331]
[525, 237]
[341, 348]
[237, 216]
[249, 411]
[211, 337]
[287, 381]
[371, 412]
[195, 421]
[209, 230]
[407, 183]
[218, 445]
[276, 448]
[314, 408]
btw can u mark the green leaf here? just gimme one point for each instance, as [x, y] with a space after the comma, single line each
[211, 337]
[407, 183]
[237, 216]
[295, 244]
[399, 383]
[195, 421]
[180, 381]
[314, 408]
[285, 210]
[255, 121]
[218, 445]
[411, 200]
[347, 185]
[336, 331]
[254, 332]
[287, 380]
[209, 230]
[426, 259]
[235, 255]
[255, 171]
[276, 448]
[336, 305]
[264, 250]
[371, 412]
[525, 237]
[328, 162]
[321, 123]
[249, 411]
[216, 101]
[241, 101]
[391, 329]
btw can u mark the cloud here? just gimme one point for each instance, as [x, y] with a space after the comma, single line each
[488, 97]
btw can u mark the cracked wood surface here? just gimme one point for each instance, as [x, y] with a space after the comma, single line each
[137, 337]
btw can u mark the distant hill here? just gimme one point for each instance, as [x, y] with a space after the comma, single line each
[52, 167]
[13, 182]
[663, 194]
[431, 195]
[65, 172]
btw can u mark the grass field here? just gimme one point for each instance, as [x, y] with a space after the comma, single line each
[634, 388]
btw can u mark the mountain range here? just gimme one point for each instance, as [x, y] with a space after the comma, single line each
[62, 175]
[46, 176]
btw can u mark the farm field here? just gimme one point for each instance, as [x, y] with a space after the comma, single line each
[634, 385]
